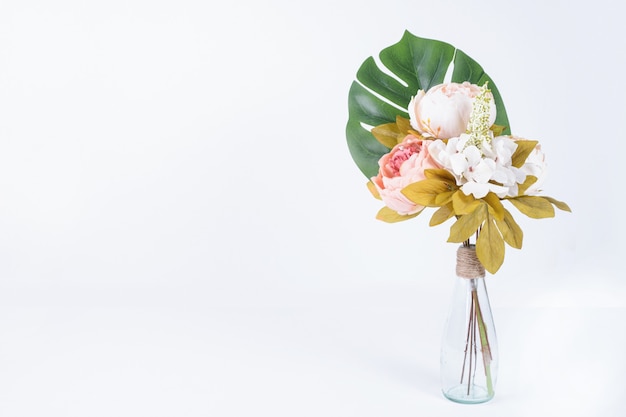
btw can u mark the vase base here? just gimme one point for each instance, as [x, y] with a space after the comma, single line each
[476, 394]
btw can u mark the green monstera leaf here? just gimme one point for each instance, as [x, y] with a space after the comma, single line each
[376, 97]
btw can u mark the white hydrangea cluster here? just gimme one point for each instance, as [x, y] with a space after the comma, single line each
[475, 166]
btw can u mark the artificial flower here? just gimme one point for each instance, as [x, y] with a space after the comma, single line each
[403, 165]
[444, 110]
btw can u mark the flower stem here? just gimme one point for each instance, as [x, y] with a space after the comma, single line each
[469, 341]
[472, 357]
[484, 341]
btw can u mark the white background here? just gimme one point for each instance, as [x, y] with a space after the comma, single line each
[183, 231]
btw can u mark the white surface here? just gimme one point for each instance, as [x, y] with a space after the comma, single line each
[184, 233]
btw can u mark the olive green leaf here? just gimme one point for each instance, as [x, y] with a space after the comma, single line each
[444, 198]
[391, 216]
[495, 206]
[490, 246]
[442, 175]
[464, 204]
[425, 192]
[377, 98]
[530, 180]
[511, 232]
[404, 125]
[373, 190]
[559, 204]
[467, 224]
[388, 134]
[534, 207]
[524, 148]
[446, 177]
[442, 214]
[497, 130]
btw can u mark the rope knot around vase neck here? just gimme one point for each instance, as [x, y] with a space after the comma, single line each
[467, 263]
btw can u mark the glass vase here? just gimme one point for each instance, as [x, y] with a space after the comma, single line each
[469, 348]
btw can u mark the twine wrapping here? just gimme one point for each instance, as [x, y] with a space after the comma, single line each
[467, 263]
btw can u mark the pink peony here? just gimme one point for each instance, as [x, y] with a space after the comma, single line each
[404, 165]
[443, 112]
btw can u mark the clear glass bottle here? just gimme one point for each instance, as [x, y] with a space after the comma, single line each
[469, 348]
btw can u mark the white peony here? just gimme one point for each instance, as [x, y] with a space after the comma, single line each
[444, 110]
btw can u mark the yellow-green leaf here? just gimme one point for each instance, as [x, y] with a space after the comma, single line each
[425, 192]
[464, 204]
[490, 246]
[388, 134]
[511, 232]
[495, 206]
[559, 204]
[467, 224]
[524, 148]
[530, 180]
[373, 190]
[497, 129]
[441, 175]
[442, 214]
[391, 216]
[404, 125]
[443, 198]
[533, 206]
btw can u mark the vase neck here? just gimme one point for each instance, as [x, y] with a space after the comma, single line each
[467, 263]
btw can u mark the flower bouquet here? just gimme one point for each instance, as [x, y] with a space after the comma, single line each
[428, 128]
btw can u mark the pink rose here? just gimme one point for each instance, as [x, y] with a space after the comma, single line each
[404, 165]
[443, 112]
